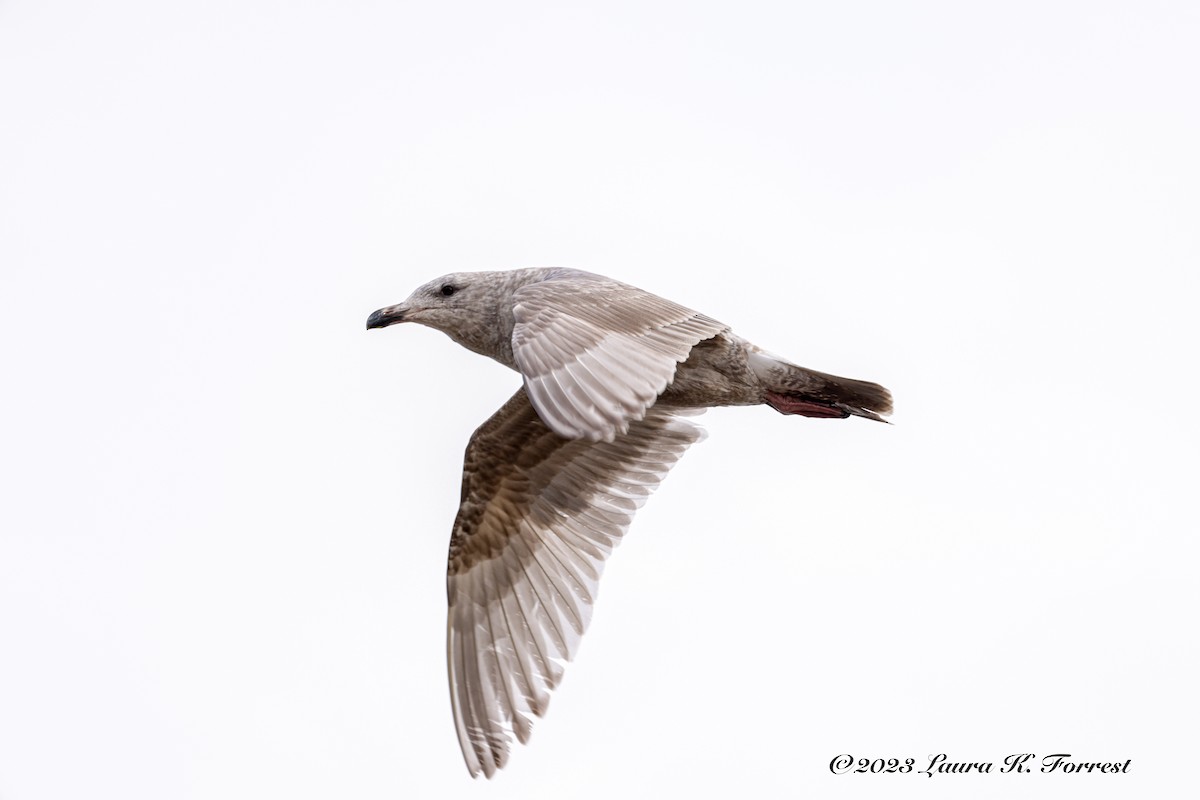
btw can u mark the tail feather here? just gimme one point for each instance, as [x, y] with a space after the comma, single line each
[791, 389]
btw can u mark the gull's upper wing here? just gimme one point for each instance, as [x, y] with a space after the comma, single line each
[596, 353]
[539, 515]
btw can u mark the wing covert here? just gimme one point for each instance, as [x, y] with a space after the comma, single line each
[596, 353]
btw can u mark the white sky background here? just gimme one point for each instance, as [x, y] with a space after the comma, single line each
[226, 505]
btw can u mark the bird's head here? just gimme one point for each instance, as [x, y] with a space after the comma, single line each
[439, 304]
[463, 305]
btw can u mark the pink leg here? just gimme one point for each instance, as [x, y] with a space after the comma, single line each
[788, 404]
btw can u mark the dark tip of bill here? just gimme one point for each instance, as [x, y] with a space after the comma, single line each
[377, 320]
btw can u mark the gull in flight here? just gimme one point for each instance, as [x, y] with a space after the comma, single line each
[551, 481]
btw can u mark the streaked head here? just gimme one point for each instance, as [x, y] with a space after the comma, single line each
[440, 304]
[472, 308]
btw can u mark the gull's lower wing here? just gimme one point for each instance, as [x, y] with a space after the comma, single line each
[540, 513]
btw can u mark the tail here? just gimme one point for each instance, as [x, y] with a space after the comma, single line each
[790, 389]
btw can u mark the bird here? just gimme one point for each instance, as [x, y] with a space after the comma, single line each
[612, 377]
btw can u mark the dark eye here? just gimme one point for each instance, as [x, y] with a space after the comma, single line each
[448, 290]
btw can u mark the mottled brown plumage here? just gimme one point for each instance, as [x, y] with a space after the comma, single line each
[551, 481]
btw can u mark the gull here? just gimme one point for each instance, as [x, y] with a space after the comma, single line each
[611, 375]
